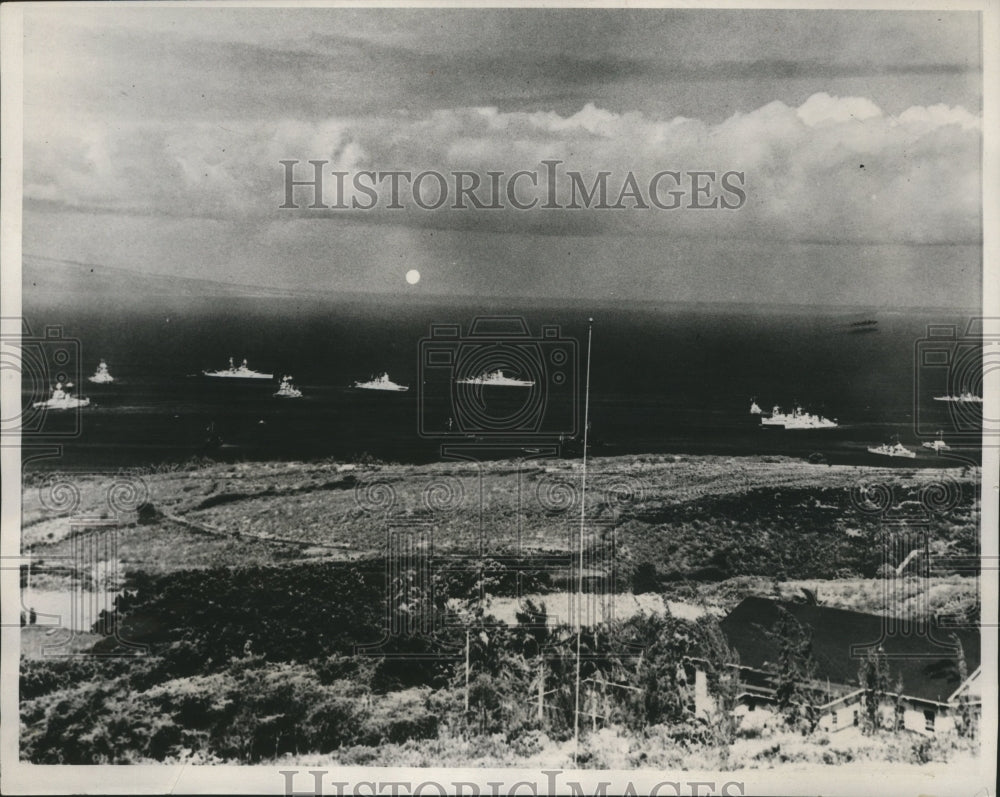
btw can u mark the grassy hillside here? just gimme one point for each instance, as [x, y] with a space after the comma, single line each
[702, 518]
[251, 586]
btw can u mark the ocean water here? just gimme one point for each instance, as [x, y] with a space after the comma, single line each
[672, 379]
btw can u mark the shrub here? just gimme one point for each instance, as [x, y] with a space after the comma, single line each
[286, 613]
[920, 751]
[645, 579]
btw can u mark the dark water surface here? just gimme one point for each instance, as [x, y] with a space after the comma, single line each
[671, 380]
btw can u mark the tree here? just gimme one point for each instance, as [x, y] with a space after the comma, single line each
[965, 718]
[491, 671]
[898, 707]
[873, 678]
[721, 665]
[796, 669]
[810, 596]
[663, 693]
[532, 632]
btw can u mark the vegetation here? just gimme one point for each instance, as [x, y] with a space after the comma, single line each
[273, 630]
[873, 678]
[702, 519]
[240, 666]
[795, 670]
[965, 722]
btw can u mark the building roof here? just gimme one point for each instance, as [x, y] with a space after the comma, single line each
[972, 688]
[925, 661]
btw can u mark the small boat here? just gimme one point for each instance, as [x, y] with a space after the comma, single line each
[964, 397]
[858, 327]
[381, 382]
[101, 375]
[61, 399]
[798, 418]
[754, 408]
[937, 445]
[287, 390]
[897, 450]
[496, 379]
[243, 372]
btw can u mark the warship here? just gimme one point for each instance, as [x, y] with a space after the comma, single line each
[798, 418]
[381, 382]
[496, 379]
[965, 398]
[61, 399]
[243, 372]
[896, 450]
[287, 390]
[101, 375]
[937, 445]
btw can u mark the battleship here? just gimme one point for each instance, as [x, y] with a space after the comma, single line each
[896, 450]
[937, 445]
[101, 375]
[61, 399]
[965, 397]
[496, 379]
[287, 390]
[798, 418]
[381, 382]
[243, 372]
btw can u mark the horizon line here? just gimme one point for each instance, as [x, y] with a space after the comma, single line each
[321, 294]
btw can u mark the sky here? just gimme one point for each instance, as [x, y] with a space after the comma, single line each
[153, 139]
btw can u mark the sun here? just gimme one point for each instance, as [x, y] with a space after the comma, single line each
[413, 276]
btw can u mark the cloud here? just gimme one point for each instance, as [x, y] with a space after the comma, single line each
[833, 168]
[939, 116]
[822, 108]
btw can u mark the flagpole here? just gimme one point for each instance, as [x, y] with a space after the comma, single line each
[583, 513]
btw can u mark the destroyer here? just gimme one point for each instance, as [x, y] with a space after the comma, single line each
[101, 375]
[243, 372]
[287, 390]
[798, 418]
[965, 397]
[937, 445]
[382, 382]
[897, 450]
[496, 379]
[61, 399]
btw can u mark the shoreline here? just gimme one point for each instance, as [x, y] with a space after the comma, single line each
[103, 459]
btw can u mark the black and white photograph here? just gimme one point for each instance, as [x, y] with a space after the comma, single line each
[431, 398]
